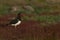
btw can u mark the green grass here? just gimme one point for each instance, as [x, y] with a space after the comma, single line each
[38, 9]
[45, 18]
[3, 9]
[46, 7]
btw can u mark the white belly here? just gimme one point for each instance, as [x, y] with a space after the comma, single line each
[19, 22]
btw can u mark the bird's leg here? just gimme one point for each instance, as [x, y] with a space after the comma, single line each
[15, 26]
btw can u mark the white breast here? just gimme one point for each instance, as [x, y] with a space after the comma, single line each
[19, 22]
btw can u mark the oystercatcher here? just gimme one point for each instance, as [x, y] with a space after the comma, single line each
[15, 22]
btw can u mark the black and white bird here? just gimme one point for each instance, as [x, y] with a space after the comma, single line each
[17, 21]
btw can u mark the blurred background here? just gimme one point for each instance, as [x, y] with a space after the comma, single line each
[40, 19]
[38, 10]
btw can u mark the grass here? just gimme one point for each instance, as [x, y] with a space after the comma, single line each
[44, 7]
[3, 9]
[45, 18]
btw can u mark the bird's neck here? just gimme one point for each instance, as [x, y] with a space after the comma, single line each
[18, 17]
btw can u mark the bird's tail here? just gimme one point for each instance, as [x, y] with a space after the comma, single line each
[3, 25]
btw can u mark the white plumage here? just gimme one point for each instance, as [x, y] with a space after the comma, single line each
[16, 24]
[17, 21]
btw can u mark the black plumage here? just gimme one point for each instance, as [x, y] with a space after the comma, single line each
[16, 21]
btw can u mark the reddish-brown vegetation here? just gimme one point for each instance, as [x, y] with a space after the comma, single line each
[28, 30]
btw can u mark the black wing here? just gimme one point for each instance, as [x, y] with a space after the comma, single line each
[14, 21]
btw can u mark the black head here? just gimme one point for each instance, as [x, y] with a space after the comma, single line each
[19, 15]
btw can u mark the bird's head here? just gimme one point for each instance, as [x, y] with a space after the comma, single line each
[19, 15]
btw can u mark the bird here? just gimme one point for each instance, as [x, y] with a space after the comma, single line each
[17, 21]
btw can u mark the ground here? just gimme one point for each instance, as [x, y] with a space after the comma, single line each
[28, 30]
